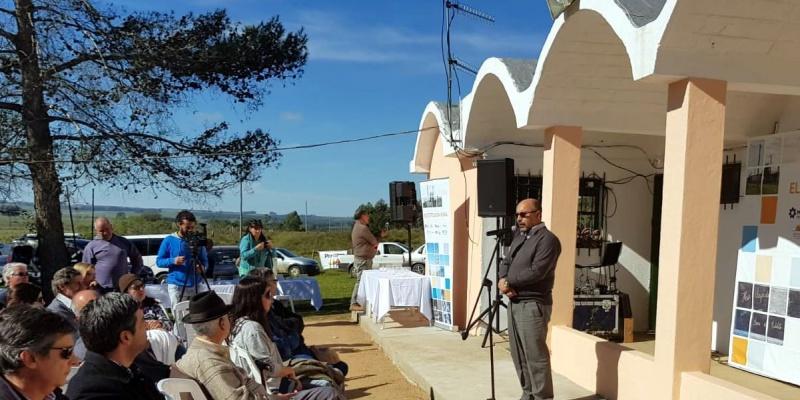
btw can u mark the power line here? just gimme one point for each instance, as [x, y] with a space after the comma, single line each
[228, 153]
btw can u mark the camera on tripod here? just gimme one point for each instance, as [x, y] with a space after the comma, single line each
[197, 238]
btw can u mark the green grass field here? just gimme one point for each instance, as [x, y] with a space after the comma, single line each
[336, 287]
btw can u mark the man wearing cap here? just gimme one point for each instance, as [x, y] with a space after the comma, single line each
[364, 248]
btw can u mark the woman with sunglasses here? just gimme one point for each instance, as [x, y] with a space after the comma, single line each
[252, 300]
[37, 353]
[154, 315]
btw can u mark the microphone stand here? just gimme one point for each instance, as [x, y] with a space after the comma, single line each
[492, 311]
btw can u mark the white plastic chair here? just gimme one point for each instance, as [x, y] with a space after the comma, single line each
[285, 297]
[226, 297]
[173, 387]
[242, 359]
[180, 329]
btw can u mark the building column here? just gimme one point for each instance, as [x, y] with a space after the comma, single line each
[690, 218]
[561, 174]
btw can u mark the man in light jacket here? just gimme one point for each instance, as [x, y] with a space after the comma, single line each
[365, 245]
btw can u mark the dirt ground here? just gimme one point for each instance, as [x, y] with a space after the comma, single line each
[372, 375]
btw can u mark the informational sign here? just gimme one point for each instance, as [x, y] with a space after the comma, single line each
[765, 333]
[327, 259]
[438, 220]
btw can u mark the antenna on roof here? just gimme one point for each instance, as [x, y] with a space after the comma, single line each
[467, 10]
[453, 63]
[457, 62]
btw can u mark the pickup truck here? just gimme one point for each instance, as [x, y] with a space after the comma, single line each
[389, 254]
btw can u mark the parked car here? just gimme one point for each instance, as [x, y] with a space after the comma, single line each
[389, 254]
[286, 262]
[225, 261]
[148, 248]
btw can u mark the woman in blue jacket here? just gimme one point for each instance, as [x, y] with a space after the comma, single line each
[255, 249]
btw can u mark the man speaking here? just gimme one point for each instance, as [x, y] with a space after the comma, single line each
[526, 277]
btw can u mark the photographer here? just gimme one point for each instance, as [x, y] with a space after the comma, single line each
[255, 249]
[175, 253]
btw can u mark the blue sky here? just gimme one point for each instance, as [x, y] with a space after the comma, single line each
[373, 67]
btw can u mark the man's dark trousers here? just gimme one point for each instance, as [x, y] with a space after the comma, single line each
[528, 321]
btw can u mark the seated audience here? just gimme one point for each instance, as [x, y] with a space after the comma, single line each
[14, 273]
[154, 315]
[113, 329]
[208, 360]
[79, 301]
[66, 282]
[252, 301]
[286, 327]
[25, 293]
[87, 275]
[35, 353]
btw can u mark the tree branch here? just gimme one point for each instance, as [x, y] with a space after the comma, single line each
[10, 106]
[9, 36]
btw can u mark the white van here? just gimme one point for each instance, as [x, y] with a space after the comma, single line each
[148, 247]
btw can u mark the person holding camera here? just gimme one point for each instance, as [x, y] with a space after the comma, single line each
[185, 277]
[255, 249]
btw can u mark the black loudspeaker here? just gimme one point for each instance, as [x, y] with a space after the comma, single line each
[496, 188]
[402, 201]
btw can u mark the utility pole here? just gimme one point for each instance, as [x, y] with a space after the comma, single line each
[305, 223]
[241, 204]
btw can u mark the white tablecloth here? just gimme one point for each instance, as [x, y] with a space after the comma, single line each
[397, 287]
[298, 289]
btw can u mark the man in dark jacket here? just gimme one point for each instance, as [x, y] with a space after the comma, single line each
[526, 276]
[113, 329]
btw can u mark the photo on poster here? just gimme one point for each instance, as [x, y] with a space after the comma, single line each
[744, 295]
[755, 151]
[771, 180]
[761, 298]
[758, 327]
[775, 330]
[772, 150]
[753, 184]
[741, 326]
[778, 299]
[793, 310]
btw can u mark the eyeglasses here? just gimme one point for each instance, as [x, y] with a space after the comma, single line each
[64, 352]
[525, 214]
[19, 274]
[139, 286]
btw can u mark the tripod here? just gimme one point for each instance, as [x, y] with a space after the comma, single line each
[197, 266]
[492, 311]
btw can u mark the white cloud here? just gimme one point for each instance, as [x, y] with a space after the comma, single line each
[291, 116]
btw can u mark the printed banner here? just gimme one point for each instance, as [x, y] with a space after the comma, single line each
[765, 333]
[438, 220]
[327, 259]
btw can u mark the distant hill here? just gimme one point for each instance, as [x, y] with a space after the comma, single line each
[314, 221]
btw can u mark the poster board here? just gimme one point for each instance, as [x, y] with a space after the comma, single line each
[329, 259]
[438, 221]
[765, 332]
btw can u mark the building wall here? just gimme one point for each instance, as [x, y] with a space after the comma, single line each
[630, 223]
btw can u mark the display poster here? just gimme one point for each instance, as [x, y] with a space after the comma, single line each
[330, 259]
[438, 221]
[765, 333]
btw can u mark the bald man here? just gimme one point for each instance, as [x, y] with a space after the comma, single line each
[110, 255]
[80, 300]
[526, 277]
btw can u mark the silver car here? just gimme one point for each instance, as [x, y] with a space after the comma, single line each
[286, 262]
